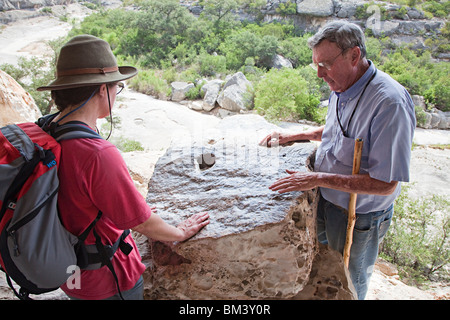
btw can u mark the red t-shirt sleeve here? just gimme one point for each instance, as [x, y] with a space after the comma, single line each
[112, 190]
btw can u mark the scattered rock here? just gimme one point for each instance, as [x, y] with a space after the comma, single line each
[419, 101]
[180, 89]
[386, 268]
[211, 90]
[233, 97]
[279, 62]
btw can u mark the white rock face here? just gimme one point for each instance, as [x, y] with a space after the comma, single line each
[16, 105]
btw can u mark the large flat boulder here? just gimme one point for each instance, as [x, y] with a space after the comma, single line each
[259, 244]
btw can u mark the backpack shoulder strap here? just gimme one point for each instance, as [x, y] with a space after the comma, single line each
[66, 131]
[74, 130]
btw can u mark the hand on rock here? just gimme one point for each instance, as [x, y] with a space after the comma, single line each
[193, 224]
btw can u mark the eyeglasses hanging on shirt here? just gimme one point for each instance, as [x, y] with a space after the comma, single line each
[345, 132]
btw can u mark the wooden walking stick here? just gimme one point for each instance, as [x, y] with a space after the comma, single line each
[352, 203]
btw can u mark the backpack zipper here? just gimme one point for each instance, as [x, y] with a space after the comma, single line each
[13, 235]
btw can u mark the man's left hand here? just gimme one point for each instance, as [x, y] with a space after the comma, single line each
[296, 181]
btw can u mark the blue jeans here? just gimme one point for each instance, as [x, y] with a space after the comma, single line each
[370, 228]
[135, 293]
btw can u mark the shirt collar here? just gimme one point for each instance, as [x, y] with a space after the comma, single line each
[356, 88]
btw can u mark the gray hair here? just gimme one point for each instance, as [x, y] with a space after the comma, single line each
[346, 35]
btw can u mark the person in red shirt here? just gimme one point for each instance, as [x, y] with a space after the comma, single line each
[93, 174]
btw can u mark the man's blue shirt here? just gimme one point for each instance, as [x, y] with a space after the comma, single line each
[385, 120]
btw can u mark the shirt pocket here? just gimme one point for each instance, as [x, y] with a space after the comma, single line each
[343, 150]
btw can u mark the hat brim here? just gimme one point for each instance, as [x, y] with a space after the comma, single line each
[67, 82]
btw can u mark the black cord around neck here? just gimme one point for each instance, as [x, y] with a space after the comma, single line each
[345, 132]
[110, 115]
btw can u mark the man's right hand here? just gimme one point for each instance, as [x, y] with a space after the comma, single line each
[276, 139]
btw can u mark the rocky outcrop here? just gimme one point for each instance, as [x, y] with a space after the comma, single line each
[13, 10]
[436, 119]
[384, 19]
[259, 244]
[319, 8]
[6, 5]
[16, 105]
[309, 15]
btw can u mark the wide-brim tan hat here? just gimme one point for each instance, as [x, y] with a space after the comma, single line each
[87, 60]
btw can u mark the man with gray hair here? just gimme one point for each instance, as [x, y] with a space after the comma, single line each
[365, 103]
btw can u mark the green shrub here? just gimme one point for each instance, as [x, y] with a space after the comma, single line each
[127, 145]
[420, 115]
[374, 49]
[170, 74]
[150, 82]
[419, 75]
[418, 239]
[287, 8]
[363, 12]
[284, 95]
[210, 65]
[190, 74]
[438, 9]
[316, 85]
[439, 93]
[195, 92]
[446, 30]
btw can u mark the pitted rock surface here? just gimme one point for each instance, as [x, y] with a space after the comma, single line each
[259, 244]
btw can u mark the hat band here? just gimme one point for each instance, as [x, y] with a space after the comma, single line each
[76, 72]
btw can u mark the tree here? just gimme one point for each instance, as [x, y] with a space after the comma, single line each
[296, 50]
[243, 44]
[161, 25]
[221, 13]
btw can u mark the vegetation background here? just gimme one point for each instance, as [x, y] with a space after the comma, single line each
[167, 43]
